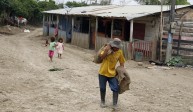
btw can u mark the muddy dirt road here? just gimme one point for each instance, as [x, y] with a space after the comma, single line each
[26, 85]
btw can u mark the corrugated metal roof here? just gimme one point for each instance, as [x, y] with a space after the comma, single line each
[128, 12]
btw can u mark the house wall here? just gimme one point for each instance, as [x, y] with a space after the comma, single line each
[62, 22]
[101, 41]
[184, 24]
[151, 36]
[68, 28]
[46, 25]
[62, 34]
[45, 30]
[51, 31]
[183, 35]
[152, 30]
[62, 27]
[80, 39]
[151, 27]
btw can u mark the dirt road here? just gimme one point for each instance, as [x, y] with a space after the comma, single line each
[26, 85]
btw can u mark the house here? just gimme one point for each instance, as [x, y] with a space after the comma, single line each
[91, 27]
[182, 44]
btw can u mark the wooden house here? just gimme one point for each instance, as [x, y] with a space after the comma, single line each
[182, 41]
[92, 26]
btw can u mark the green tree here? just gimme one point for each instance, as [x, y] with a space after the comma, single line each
[30, 9]
[5, 8]
[43, 5]
[61, 5]
[182, 2]
[75, 4]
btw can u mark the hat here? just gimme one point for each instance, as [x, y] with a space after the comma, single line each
[116, 42]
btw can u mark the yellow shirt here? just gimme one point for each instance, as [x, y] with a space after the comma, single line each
[109, 62]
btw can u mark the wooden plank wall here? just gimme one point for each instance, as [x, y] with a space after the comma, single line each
[62, 34]
[183, 36]
[100, 41]
[51, 31]
[80, 39]
[45, 30]
[127, 50]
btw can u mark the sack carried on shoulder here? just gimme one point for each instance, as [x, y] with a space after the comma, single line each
[97, 58]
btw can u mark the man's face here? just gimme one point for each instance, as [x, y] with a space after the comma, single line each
[115, 49]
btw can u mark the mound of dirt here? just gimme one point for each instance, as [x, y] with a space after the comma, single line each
[10, 30]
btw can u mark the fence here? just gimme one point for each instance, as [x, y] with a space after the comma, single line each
[145, 47]
[138, 46]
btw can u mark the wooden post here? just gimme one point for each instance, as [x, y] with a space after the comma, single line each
[51, 19]
[90, 36]
[43, 24]
[72, 30]
[96, 33]
[123, 29]
[57, 25]
[131, 31]
[57, 20]
[131, 38]
[112, 28]
[49, 24]
[43, 20]
[66, 28]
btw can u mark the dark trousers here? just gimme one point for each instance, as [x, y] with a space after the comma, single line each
[113, 83]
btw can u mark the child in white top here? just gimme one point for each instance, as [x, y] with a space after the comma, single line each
[60, 47]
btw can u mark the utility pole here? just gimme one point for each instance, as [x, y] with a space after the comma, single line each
[170, 32]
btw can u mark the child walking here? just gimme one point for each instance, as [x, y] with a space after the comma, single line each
[52, 48]
[60, 47]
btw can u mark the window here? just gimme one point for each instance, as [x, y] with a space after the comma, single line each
[81, 24]
[139, 31]
[117, 28]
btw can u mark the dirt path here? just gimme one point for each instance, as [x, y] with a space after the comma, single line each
[26, 85]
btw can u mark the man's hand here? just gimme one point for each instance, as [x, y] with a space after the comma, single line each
[107, 48]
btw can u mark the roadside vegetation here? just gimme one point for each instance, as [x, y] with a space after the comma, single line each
[30, 9]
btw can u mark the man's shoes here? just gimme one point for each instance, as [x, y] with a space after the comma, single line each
[102, 105]
[103, 93]
[115, 100]
[115, 107]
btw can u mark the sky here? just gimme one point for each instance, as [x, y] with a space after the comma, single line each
[118, 2]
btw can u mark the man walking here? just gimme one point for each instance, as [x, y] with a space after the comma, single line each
[107, 70]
